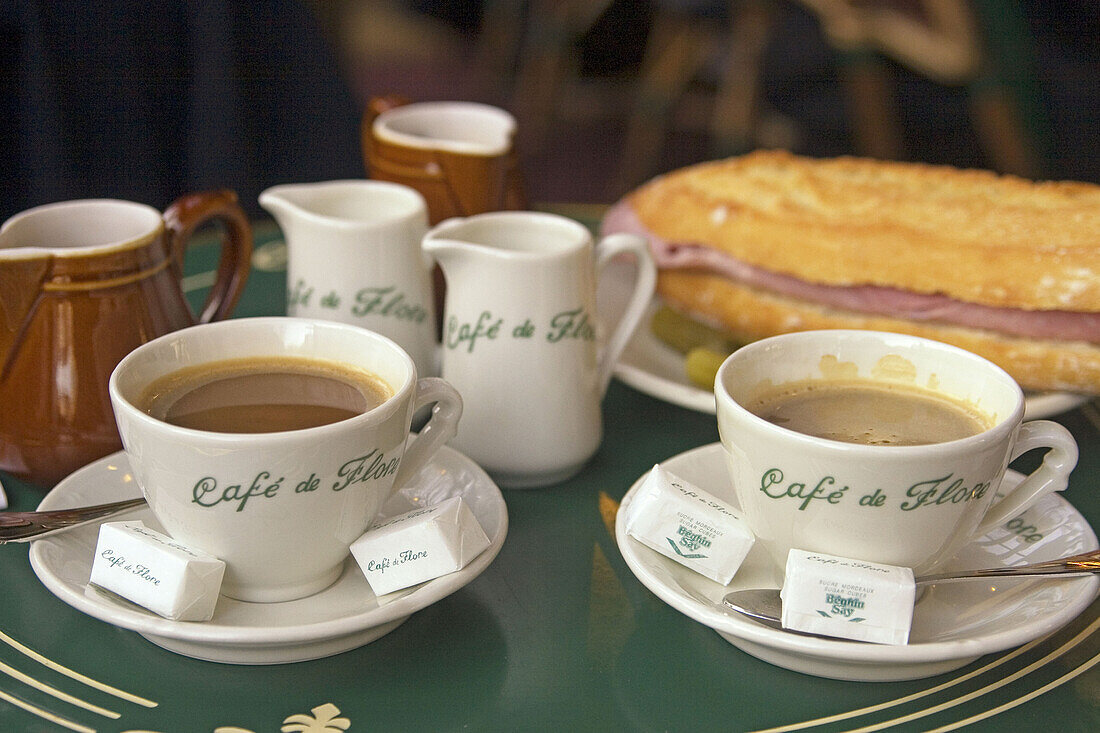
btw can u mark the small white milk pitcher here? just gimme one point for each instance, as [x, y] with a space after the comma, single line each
[354, 256]
[521, 342]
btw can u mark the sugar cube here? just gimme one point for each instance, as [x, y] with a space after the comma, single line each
[419, 545]
[847, 598]
[685, 523]
[156, 572]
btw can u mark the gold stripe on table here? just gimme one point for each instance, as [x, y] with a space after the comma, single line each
[45, 714]
[1030, 696]
[52, 691]
[860, 712]
[1080, 637]
[72, 674]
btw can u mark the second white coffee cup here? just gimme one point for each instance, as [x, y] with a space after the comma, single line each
[908, 505]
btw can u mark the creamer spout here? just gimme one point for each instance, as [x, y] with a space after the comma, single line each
[281, 202]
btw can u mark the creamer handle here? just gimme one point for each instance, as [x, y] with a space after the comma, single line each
[645, 282]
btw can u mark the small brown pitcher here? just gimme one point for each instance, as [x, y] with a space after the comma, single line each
[82, 283]
[460, 156]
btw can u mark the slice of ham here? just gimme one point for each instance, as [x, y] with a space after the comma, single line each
[869, 299]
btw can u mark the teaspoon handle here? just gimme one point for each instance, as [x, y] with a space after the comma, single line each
[23, 526]
[1083, 564]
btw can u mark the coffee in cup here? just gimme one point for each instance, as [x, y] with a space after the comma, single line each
[836, 443]
[279, 501]
[869, 412]
[263, 395]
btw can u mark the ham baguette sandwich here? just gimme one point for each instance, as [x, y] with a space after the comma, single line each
[771, 242]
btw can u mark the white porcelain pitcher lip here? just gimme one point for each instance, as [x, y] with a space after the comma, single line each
[403, 202]
[109, 232]
[462, 232]
[394, 125]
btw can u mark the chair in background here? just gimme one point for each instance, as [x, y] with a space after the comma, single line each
[547, 72]
[687, 37]
[678, 40]
[981, 47]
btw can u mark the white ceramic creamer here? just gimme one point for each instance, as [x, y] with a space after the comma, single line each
[353, 256]
[521, 341]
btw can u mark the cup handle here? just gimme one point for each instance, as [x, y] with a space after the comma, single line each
[186, 215]
[1052, 475]
[440, 428]
[645, 282]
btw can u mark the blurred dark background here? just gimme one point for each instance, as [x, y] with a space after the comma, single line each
[146, 100]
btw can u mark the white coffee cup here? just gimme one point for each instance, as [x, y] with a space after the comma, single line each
[281, 508]
[913, 506]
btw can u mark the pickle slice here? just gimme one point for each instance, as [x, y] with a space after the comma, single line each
[683, 333]
[701, 365]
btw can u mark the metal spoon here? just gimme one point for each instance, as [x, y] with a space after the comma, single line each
[23, 526]
[765, 605]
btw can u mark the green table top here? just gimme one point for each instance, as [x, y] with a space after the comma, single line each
[557, 634]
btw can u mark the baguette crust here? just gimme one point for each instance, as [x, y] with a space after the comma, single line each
[972, 235]
[748, 314]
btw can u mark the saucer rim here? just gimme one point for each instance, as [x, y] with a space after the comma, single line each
[212, 634]
[730, 624]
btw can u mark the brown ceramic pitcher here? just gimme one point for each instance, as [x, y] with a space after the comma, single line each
[82, 283]
[460, 156]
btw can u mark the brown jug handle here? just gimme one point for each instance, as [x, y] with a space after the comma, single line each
[376, 106]
[515, 194]
[187, 214]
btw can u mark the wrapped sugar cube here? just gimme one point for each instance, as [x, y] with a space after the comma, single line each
[851, 599]
[156, 572]
[419, 545]
[685, 523]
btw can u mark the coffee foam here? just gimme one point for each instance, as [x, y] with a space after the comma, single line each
[867, 411]
[235, 381]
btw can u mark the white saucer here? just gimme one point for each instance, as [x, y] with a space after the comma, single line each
[953, 624]
[650, 366]
[344, 616]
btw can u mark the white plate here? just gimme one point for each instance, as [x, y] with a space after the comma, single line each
[953, 623]
[649, 365]
[344, 616]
